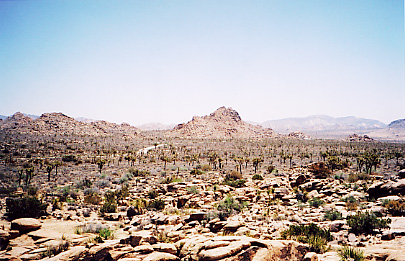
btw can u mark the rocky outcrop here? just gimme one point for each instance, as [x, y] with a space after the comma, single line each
[359, 138]
[60, 124]
[223, 123]
[387, 188]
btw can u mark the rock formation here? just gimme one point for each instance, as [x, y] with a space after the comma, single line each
[223, 123]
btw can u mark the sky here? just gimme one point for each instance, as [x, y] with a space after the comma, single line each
[166, 61]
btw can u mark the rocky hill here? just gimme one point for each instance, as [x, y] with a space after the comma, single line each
[398, 124]
[394, 132]
[223, 123]
[58, 123]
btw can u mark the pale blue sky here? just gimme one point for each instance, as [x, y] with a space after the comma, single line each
[165, 61]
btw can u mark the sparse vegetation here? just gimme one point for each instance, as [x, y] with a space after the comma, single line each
[366, 223]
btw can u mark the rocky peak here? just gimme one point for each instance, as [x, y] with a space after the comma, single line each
[19, 117]
[223, 123]
[225, 114]
[55, 116]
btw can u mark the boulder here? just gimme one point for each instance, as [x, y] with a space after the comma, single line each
[25, 225]
[401, 174]
[197, 216]
[165, 247]
[222, 252]
[159, 256]
[4, 239]
[387, 188]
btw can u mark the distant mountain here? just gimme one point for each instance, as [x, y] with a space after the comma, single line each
[156, 126]
[3, 117]
[323, 124]
[223, 123]
[394, 132]
[398, 124]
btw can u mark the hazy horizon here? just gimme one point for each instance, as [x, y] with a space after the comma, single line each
[159, 61]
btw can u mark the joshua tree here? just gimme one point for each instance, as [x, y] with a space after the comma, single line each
[101, 163]
[256, 162]
[49, 169]
[20, 175]
[29, 173]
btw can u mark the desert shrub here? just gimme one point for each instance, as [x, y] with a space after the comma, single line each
[156, 204]
[56, 204]
[129, 176]
[152, 194]
[233, 175]
[122, 193]
[138, 173]
[110, 203]
[196, 172]
[172, 179]
[320, 170]
[395, 207]
[351, 203]
[257, 177]
[229, 205]
[234, 179]
[351, 253]
[301, 196]
[85, 183]
[357, 176]
[366, 223]
[106, 233]
[69, 158]
[138, 207]
[103, 184]
[316, 202]
[206, 167]
[32, 191]
[26, 207]
[332, 215]
[93, 199]
[350, 199]
[7, 190]
[270, 168]
[193, 190]
[54, 250]
[315, 236]
[235, 183]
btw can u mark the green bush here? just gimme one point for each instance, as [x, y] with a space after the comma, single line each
[110, 203]
[106, 233]
[366, 223]
[257, 177]
[156, 204]
[196, 172]
[320, 170]
[351, 253]
[93, 199]
[193, 190]
[357, 176]
[395, 207]
[26, 207]
[332, 215]
[152, 194]
[229, 205]
[315, 236]
[316, 202]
